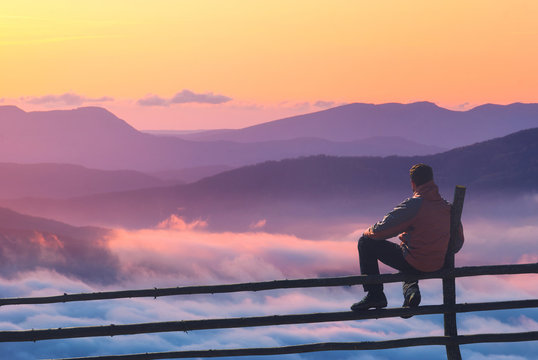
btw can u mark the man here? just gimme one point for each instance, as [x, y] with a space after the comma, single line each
[422, 223]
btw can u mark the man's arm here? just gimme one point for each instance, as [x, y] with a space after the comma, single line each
[396, 221]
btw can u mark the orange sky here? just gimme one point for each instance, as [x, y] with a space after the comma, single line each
[263, 59]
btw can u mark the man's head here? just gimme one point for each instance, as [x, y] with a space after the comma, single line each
[420, 174]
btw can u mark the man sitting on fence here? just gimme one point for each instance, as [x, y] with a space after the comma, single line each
[422, 223]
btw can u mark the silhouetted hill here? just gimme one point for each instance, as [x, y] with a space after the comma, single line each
[30, 243]
[510, 162]
[10, 219]
[95, 138]
[63, 181]
[190, 174]
[507, 165]
[422, 122]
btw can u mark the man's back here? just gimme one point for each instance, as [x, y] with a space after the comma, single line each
[426, 244]
[423, 224]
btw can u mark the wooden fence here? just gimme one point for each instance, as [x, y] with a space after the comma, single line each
[451, 340]
[193, 325]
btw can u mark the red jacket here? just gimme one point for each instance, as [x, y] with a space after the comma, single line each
[423, 225]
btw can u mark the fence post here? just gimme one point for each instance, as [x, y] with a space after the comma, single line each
[449, 283]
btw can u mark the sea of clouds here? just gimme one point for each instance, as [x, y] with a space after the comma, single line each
[177, 253]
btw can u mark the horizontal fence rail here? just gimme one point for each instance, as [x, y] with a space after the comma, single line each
[276, 284]
[271, 320]
[330, 346]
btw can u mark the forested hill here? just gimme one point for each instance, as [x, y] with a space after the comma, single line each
[510, 162]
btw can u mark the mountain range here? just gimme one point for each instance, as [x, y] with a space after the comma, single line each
[95, 138]
[65, 180]
[421, 122]
[503, 166]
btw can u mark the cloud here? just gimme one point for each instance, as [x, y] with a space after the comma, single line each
[153, 100]
[308, 106]
[498, 241]
[301, 106]
[152, 255]
[497, 288]
[175, 222]
[472, 355]
[70, 99]
[179, 253]
[464, 106]
[187, 96]
[258, 224]
[324, 104]
[471, 323]
[184, 97]
[81, 256]
[249, 106]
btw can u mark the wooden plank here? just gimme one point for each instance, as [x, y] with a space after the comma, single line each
[293, 349]
[449, 282]
[331, 346]
[272, 320]
[465, 271]
[531, 268]
[455, 214]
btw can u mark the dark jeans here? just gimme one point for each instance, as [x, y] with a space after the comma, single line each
[388, 253]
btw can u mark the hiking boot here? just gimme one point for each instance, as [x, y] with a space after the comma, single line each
[371, 300]
[412, 299]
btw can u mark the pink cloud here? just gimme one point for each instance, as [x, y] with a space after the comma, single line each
[69, 99]
[324, 104]
[175, 222]
[260, 224]
[490, 242]
[479, 324]
[180, 252]
[497, 288]
[75, 255]
[153, 100]
[184, 97]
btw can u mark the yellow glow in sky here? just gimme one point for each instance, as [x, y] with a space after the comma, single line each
[448, 52]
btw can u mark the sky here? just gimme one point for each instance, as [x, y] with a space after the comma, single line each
[205, 64]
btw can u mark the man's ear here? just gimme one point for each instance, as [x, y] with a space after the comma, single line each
[413, 186]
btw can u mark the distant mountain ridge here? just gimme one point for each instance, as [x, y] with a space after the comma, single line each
[64, 180]
[95, 138]
[422, 122]
[507, 166]
[190, 174]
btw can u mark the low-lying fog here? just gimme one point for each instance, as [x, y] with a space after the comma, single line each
[177, 252]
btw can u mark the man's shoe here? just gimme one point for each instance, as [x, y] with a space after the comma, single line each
[412, 299]
[371, 300]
